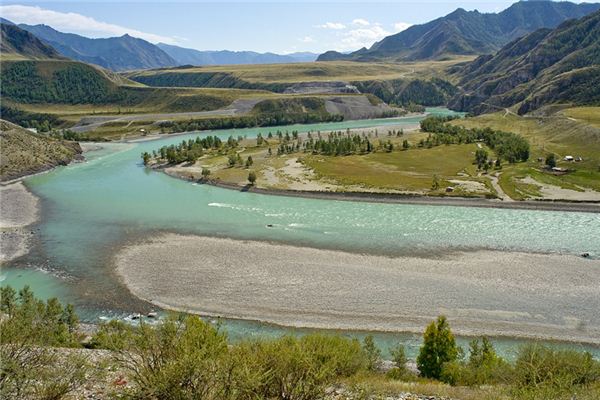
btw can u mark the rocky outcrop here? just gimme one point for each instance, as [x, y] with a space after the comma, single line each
[359, 107]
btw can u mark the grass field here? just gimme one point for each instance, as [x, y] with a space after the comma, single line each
[321, 71]
[410, 170]
[573, 131]
[588, 115]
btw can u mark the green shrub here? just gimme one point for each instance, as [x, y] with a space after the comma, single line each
[538, 365]
[29, 367]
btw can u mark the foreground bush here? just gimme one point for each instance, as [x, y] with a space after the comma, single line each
[29, 366]
[187, 358]
[184, 357]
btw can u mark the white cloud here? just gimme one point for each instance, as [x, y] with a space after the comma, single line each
[361, 22]
[362, 37]
[332, 25]
[307, 39]
[74, 23]
[400, 26]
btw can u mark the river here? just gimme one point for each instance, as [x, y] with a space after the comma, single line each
[91, 210]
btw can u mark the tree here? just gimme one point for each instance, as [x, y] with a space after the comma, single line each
[249, 162]
[252, 178]
[405, 144]
[481, 157]
[372, 351]
[399, 356]
[551, 160]
[438, 347]
[146, 157]
[205, 173]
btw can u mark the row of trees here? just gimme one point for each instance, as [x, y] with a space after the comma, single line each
[507, 145]
[190, 150]
[248, 121]
[184, 357]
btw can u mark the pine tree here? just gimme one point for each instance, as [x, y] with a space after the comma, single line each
[438, 347]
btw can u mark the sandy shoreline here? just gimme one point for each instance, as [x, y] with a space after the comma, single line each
[485, 292]
[18, 209]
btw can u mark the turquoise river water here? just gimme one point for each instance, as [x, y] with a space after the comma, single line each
[91, 209]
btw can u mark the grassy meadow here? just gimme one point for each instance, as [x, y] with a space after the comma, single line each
[320, 71]
[559, 133]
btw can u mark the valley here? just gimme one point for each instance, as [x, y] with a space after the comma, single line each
[271, 226]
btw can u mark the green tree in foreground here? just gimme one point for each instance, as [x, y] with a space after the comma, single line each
[438, 347]
[252, 177]
[205, 173]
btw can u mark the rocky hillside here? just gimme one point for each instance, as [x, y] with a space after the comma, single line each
[24, 152]
[468, 32]
[116, 53]
[544, 67]
[18, 43]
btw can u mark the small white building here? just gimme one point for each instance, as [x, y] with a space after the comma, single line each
[33, 130]
[568, 158]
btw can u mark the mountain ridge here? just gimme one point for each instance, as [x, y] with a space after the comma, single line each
[116, 53]
[467, 32]
[17, 42]
[186, 56]
[544, 67]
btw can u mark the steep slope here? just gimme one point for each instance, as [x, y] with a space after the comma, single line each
[18, 43]
[24, 152]
[39, 85]
[547, 66]
[184, 56]
[468, 32]
[116, 53]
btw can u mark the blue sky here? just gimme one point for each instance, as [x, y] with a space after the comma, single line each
[282, 26]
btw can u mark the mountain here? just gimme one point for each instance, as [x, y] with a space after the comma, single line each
[544, 67]
[116, 53]
[184, 56]
[16, 42]
[24, 152]
[468, 32]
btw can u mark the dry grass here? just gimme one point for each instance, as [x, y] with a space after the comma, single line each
[324, 71]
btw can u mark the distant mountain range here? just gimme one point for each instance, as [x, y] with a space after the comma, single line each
[467, 32]
[116, 53]
[184, 56]
[129, 53]
[544, 67]
[17, 42]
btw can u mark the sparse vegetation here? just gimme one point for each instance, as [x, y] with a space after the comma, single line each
[184, 357]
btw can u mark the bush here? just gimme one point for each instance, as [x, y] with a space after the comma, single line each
[484, 366]
[538, 366]
[29, 368]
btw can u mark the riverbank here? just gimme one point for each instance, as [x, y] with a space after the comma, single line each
[401, 198]
[18, 209]
[536, 296]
